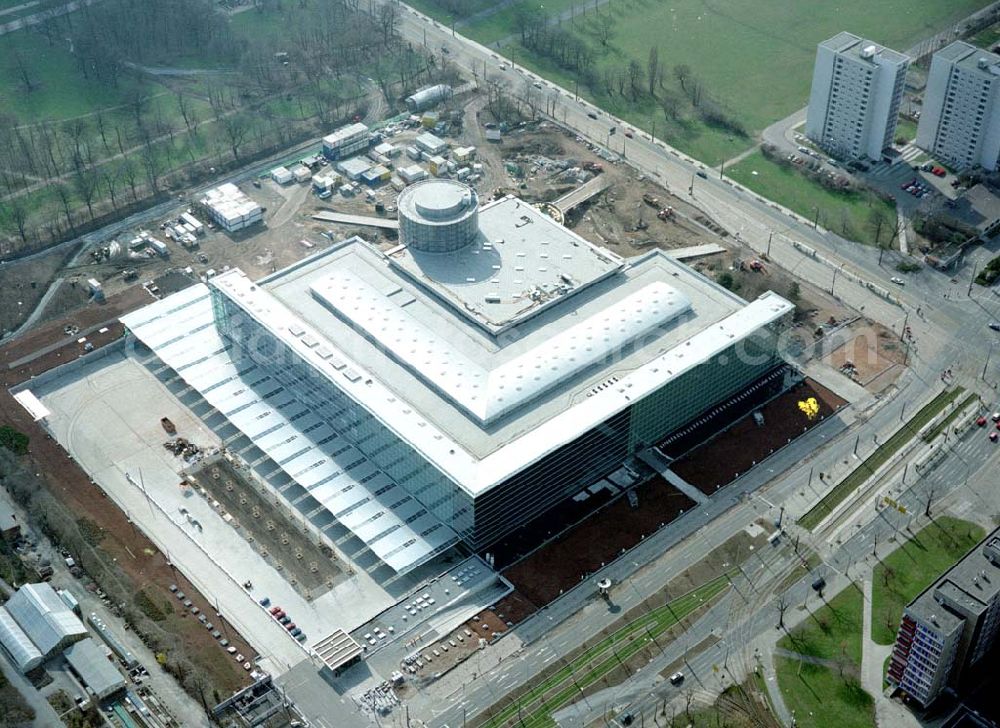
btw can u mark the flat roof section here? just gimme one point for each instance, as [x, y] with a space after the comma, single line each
[522, 262]
[488, 392]
[337, 649]
[475, 455]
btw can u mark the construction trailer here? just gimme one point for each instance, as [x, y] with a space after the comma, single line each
[230, 208]
[346, 141]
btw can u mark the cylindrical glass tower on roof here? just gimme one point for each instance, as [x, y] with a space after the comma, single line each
[438, 216]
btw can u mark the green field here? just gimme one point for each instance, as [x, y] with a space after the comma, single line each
[754, 58]
[906, 129]
[833, 632]
[906, 572]
[828, 694]
[847, 214]
[877, 459]
[821, 698]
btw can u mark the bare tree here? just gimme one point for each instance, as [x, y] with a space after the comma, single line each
[237, 126]
[21, 69]
[877, 219]
[652, 69]
[782, 605]
[635, 75]
[682, 72]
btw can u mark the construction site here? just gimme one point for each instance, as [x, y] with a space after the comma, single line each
[254, 547]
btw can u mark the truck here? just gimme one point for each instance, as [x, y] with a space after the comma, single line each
[168, 426]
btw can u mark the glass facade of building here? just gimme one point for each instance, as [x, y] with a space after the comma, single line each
[557, 476]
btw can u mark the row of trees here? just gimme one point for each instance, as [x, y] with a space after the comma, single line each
[634, 82]
[57, 178]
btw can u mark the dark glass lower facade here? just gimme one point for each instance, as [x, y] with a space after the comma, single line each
[562, 473]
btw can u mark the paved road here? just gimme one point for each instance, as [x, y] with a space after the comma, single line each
[36, 18]
[948, 333]
[963, 479]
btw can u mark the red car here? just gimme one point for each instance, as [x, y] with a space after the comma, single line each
[290, 626]
[981, 422]
[938, 172]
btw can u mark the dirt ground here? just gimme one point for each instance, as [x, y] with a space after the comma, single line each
[146, 567]
[733, 452]
[873, 358]
[562, 563]
[22, 285]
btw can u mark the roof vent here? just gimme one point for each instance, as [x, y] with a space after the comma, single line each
[983, 62]
[869, 51]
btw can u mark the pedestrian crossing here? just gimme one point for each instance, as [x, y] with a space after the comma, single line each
[910, 152]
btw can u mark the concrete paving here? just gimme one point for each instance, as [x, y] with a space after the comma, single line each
[107, 416]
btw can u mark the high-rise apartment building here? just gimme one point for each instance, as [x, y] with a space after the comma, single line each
[856, 91]
[960, 119]
[950, 626]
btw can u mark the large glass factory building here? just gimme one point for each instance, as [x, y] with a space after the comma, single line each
[462, 383]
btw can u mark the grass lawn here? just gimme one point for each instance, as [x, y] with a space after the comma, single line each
[846, 214]
[902, 575]
[986, 37]
[58, 89]
[873, 462]
[833, 632]
[947, 421]
[820, 697]
[906, 129]
[771, 42]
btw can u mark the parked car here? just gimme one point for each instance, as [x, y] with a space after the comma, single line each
[898, 281]
[630, 135]
[591, 114]
[994, 325]
[275, 609]
[284, 619]
[677, 678]
[939, 172]
[264, 602]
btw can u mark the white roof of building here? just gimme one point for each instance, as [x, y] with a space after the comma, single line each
[344, 133]
[484, 391]
[389, 338]
[355, 166]
[17, 644]
[44, 617]
[96, 671]
[522, 263]
[228, 201]
[430, 141]
[179, 328]
[337, 649]
[27, 399]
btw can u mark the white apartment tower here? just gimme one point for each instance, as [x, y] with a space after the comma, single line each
[960, 121]
[856, 91]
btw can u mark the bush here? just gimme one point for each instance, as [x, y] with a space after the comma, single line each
[16, 442]
[990, 273]
[149, 607]
[908, 266]
[91, 532]
[726, 280]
